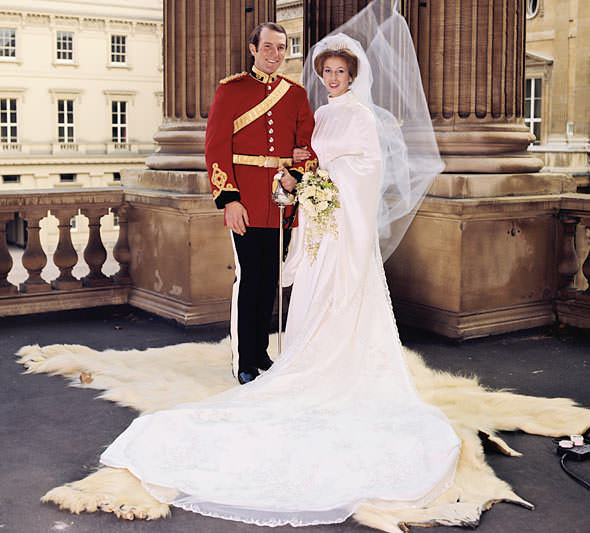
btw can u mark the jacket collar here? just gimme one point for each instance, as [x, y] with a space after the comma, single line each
[263, 76]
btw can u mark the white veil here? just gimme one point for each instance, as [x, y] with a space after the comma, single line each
[389, 83]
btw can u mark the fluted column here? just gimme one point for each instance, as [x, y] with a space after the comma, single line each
[204, 41]
[471, 56]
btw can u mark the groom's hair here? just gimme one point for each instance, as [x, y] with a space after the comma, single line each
[351, 60]
[255, 35]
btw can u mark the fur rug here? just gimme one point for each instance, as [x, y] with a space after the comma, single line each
[159, 378]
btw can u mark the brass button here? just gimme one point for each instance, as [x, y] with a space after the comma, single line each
[271, 130]
[269, 87]
[272, 149]
[269, 113]
[271, 140]
[270, 122]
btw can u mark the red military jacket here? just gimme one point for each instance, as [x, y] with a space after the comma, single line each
[287, 124]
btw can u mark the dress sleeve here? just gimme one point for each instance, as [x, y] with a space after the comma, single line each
[304, 129]
[218, 149]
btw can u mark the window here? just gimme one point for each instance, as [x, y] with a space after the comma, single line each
[7, 42]
[116, 176]
[532, 107]
[119, 121]
[532, 8]
[115, 221]
[74, 223]
[118, 49]
[65, 121]
[8, 122]
[65, 46]
[295, 45]
[67, 178]
[11, 178]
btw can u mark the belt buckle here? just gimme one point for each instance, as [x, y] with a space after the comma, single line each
[271, 162]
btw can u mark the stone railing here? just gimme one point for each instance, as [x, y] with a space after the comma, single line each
[66, 291]
[573, 297]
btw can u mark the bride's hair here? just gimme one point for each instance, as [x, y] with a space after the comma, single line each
[351, 60]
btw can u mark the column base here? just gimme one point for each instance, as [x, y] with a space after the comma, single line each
[182, 181]
[181, 146]
[575, 312]
[463, 326]
[185, 313]
[466, 185]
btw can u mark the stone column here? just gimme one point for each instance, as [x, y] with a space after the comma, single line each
[204, 41]
[181, 259]
[471, 55]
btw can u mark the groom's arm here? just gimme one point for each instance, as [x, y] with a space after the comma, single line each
[304, 129]
[218, 148]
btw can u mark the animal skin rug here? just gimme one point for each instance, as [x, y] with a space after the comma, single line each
[159, 378]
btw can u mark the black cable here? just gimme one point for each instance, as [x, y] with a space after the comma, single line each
[575, 477]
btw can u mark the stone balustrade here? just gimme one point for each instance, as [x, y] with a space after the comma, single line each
[66, 291]
[573, 296]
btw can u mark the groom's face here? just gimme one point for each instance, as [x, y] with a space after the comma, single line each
[271, 50]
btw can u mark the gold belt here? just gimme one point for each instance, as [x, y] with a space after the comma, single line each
[267, 161]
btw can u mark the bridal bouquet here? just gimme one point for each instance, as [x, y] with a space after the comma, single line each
[318, 197]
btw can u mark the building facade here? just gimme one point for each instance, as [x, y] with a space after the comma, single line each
[557, 85]
[80, 96]
[290, 16]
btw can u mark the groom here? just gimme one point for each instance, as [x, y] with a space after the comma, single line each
[256, 120]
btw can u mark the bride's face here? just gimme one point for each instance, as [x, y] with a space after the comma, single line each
[336, 76]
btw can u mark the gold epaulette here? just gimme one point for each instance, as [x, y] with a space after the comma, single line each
[233, 77]
[292, 81]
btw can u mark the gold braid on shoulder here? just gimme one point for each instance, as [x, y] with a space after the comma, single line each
[292, 81]
[233, 77]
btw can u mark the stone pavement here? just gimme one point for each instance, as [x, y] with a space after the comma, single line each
[51, 434]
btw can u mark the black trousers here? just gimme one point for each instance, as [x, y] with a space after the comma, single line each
[256, 254]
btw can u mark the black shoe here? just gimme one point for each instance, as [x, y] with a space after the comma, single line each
[265, 362]
[245, 376]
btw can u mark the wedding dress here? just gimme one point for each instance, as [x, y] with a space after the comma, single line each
[336, 422]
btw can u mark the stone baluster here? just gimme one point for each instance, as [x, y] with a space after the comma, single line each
[34, 258]
[6, 288]
[65, 256]
[95, 253]
[121, 250]
[586, 265]
[568, 264]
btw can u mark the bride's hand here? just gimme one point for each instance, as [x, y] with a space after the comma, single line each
[301, 154]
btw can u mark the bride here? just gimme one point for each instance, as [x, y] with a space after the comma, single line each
[336, 422]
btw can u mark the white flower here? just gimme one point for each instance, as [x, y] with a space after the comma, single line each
[318, 198]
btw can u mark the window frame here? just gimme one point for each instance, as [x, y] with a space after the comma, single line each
[125, 52]
[531, 14]
[11, 182]
[532, 119]
[10, 58]
[292, 39]
[64, 61]
[116, 102]
[66, 124]
[9, 124]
